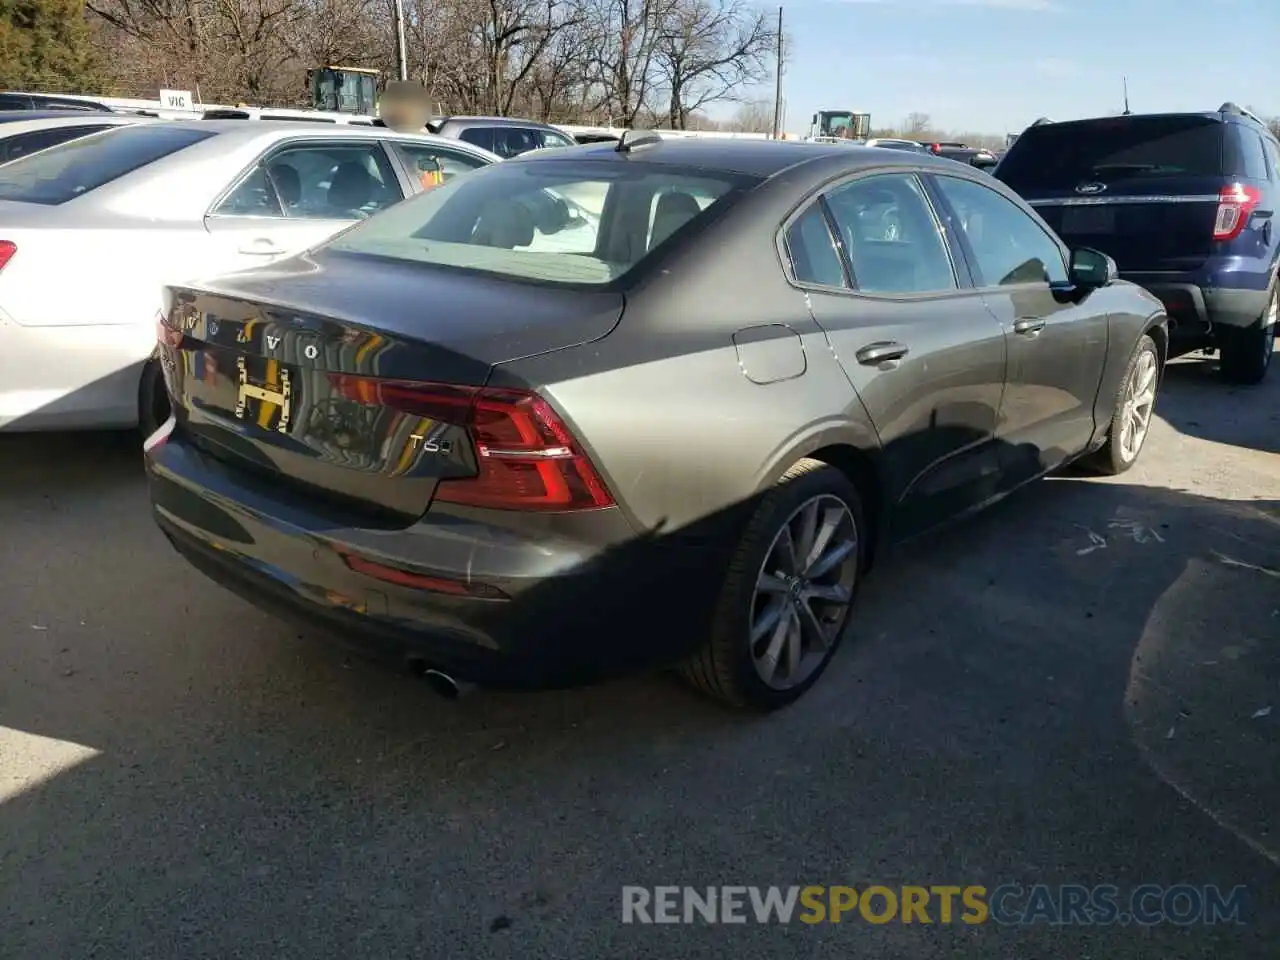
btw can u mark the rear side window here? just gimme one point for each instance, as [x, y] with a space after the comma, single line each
[814, 258]
[1060, 156]
[892, 240]
[1253, 160]
[509, 141]
[580, 223]
[73, 169]
[481, 137]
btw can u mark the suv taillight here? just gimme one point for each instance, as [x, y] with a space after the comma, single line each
[935, 148]
[1236, 204]
[527, 458]
[7, 249]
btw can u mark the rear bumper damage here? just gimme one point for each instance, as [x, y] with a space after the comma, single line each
[479, 601]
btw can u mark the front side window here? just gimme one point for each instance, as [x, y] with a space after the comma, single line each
[1009, 246]
[891, 236]
[335, 181]
[77, 167]
[546, 221]
[430, 165]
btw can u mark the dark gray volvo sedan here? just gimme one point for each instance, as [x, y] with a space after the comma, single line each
[609, 408]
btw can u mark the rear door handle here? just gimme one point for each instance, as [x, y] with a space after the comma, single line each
[1028, 325]
[261, 246]
[881, 351]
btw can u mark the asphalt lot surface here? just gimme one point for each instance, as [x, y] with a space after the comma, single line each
[1070, 688]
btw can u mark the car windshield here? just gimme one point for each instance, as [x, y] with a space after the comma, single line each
[1061, 156]
[72, 169]
[551, 221]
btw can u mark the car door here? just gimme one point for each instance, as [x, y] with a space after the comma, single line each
[299, 194]
[921, 349]
[1056, 346]
[429, 164]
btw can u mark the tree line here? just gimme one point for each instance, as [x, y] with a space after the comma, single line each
[626, 62]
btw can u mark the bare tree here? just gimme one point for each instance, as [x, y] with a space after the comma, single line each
[916, 124]
[755, 116]
[709, 49]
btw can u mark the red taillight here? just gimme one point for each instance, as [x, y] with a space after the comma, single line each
[1236, 204]
[527, 458]
[7, 249]
[935, 148]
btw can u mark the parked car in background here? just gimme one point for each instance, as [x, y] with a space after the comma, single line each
[24, 134]
[18, 100]
[505, 136]
[519, 461]
[1187, 205]
[889, 143]
[979, 157]
[121, 212]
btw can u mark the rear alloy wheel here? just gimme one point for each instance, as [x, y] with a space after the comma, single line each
[1134, 407]
[788, 594]
[1246, 353]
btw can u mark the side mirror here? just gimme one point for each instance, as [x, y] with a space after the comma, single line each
[1091, 269]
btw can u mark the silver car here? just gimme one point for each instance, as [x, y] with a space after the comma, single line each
[120, 213]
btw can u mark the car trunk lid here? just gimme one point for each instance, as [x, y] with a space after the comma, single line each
[349, 376]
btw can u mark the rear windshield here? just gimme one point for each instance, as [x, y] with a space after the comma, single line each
[72, 169]
[552, 221]
[1060, 156]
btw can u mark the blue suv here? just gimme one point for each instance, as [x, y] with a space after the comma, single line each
[1186, 205]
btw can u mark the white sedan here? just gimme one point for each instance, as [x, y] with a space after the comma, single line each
[91, 230]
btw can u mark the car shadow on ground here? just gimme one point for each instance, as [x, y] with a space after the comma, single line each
[1069, 688]
[1196, 401]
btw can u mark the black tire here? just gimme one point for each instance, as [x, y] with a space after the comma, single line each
[153, 399]
[1112, 459]
[1245, 353]
[723, 668]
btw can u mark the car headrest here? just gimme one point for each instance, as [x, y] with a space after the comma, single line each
[505, 224]
[352, 186]
[675, 209]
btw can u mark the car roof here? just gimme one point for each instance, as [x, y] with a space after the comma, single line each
[759, 158]
[248, 131]
[494, 122]
[29, 123]
[13, 116]
[1123, 117]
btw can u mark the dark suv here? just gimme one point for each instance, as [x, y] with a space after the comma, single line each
[1185, 203]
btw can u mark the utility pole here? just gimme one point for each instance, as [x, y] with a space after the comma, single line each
[1125, 80]
[402, 52]
[777, 90]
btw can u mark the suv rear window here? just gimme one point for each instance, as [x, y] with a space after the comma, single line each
[579, 223]
[1062, 155]
[72, 169]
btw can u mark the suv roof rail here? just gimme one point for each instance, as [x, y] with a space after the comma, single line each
[1040, 121]
[1235, 108]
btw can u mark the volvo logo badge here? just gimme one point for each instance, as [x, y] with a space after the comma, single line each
[1091, 188]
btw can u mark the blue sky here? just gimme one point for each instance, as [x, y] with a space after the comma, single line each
[994, 66]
